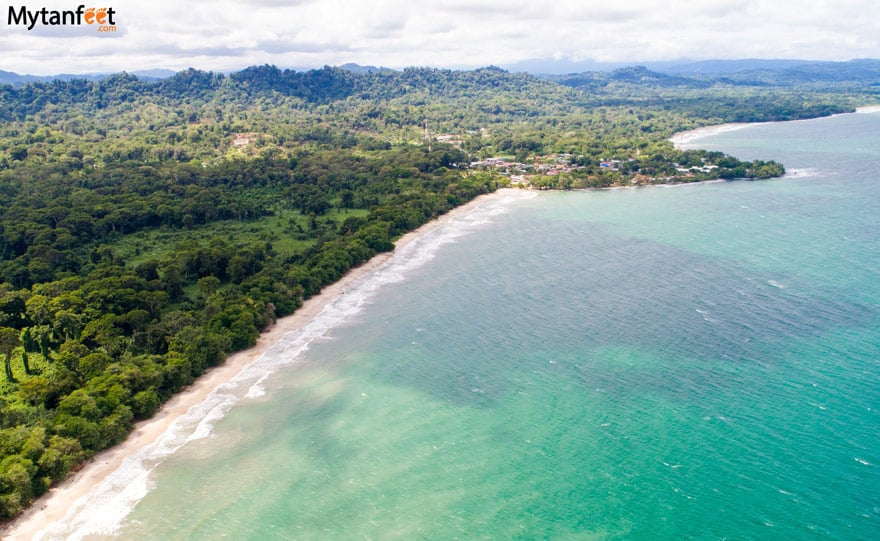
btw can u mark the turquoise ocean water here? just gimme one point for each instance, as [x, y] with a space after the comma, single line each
[692, 362]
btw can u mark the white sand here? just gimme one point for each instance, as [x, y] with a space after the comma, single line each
[687, 137]
[64, 500]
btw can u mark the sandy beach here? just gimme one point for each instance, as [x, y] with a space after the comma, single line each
[69, 497]
[686, 137]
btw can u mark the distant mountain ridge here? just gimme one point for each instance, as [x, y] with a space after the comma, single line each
[865, 71]
[727, 67]
[15, 79]
[332, 83]
[741, 71]
[859, 74]
[771, 95]
[719, 68]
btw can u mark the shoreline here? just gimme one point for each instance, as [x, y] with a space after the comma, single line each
[688, 137]
[68, 498]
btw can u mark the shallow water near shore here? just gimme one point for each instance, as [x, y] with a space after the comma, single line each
[691, 362]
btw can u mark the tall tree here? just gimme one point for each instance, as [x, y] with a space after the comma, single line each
[9, 340]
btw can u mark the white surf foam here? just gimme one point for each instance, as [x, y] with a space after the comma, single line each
[807, 172]
[102, 511]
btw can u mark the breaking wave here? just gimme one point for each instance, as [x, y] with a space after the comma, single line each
[102, 511]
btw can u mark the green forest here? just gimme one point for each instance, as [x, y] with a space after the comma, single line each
[149, 228]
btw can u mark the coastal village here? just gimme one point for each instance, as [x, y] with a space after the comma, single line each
[545, 169]
[554, 165]
[521, 174]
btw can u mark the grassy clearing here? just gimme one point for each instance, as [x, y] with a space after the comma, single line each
[288, 231]
[38, 365]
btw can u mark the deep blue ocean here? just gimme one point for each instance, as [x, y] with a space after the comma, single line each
[689, 362]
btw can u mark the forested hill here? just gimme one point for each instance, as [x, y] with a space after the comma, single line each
[492, 88]
[753, 95]
[857, 73]
[313, 87]
[148, 228]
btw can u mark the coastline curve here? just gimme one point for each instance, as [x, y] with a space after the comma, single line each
[96, 500]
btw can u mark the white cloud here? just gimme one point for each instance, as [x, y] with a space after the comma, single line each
[228, 35]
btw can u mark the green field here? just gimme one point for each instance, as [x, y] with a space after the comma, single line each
[288, 231]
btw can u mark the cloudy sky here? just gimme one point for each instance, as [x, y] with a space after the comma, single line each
[224, 35]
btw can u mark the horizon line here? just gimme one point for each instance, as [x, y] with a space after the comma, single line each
[508, 66]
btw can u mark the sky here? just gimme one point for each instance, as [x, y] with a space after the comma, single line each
[221, 35]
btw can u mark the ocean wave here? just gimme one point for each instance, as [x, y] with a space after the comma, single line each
[807, 172]
[103, 509]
